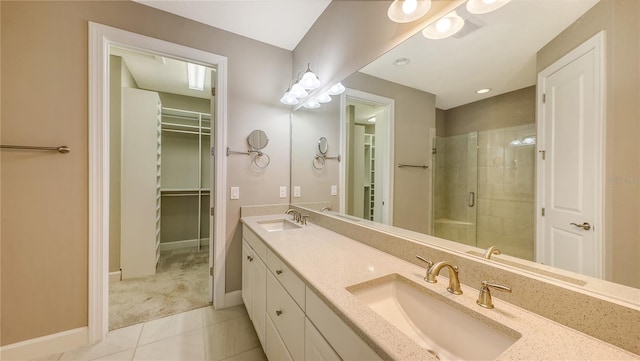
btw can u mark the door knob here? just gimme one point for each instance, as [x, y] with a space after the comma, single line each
[586, 226]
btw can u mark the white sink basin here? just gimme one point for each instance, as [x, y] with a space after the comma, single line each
[444, 328]
[278, 225]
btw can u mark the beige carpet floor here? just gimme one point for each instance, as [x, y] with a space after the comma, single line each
[180, 284]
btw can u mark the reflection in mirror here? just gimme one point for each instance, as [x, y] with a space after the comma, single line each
[257, 139]
[323, 146]
[482, 148]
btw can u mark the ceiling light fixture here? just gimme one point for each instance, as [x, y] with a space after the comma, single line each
[444, 27]
[401, 61]
[323, 98]
[311, 104]
[309, 80]
[483, 91]
[406, 11]
[336, 89]
[195, 75]
[298, 91]
[289, 99]
[485, 6]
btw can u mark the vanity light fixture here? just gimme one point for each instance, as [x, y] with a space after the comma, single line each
[336, 89]
[401, 61]
[485, 6]
[406, 11]
[309, 80]
[372, 119]
[483, 91]
[444, 27]
[195, 75]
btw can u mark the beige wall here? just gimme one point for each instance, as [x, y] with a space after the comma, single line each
[502, 111]
[414, 116]
[621, 20]
[45, 195]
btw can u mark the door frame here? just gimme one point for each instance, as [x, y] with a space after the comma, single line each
[388, 176]
[596, 44]
[100, 38]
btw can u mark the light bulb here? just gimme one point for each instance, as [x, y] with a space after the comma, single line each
[323, 98]
[311, 104]
[289, 99]
[409, 6]
[443, 25]
[336, 89]
[298, 91]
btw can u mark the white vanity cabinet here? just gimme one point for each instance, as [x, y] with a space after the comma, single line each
[254, 288]
[298, 325]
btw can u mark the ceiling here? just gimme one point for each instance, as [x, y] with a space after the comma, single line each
[282, 23]
[500, 55]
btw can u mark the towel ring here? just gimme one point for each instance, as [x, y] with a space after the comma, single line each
[261, 160]
[318, 162]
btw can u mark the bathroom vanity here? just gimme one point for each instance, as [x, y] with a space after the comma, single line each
[316, 294]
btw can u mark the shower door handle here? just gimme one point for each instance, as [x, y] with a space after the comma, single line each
[471, 201]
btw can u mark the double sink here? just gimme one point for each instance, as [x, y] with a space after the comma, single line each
[444, 328]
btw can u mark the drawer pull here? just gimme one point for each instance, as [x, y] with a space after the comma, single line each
[278, 312]
[250, 258]
[278, 271]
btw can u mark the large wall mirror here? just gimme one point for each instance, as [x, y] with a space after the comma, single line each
[464, 144]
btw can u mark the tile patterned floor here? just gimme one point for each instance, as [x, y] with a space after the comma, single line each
[201, 334]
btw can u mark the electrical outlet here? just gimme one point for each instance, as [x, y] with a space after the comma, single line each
[334, 190]
[296, 191]
[283, 192]
[235, 192]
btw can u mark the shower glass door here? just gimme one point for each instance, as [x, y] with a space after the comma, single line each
[456, 188]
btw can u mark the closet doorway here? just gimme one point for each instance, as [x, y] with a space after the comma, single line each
[160, 185]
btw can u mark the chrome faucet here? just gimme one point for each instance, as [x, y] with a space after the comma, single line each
[295, 214]
[454, 281]
[484, 298]
[491, 251]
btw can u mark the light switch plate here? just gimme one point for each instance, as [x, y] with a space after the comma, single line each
[235, 192]
[334, 190]
[283, 192]
[296, 191]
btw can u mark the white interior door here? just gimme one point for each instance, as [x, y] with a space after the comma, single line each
[570, 161]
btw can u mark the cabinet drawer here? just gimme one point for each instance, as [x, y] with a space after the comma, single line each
[254, 242]
[341, 337]
[316, 348]
[274, 347]
[286, 316]
[291, 282]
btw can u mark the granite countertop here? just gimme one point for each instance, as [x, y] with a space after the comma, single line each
[329, 263]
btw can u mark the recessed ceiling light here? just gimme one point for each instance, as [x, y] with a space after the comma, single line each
[483, 91]
[401, 61]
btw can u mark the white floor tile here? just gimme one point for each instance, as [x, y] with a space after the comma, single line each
[52, 357]
[255, 354]
[116, 341]
[211, 315]
[229, 338]
[183, 347]
[171, 326]
[120, 356]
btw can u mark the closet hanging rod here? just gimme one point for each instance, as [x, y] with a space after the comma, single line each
[62, 149]
[400, 165]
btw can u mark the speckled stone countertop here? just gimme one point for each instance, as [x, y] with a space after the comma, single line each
[329, 263]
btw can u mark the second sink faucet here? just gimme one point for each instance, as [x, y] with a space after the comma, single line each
[296, 215]
[454, 281]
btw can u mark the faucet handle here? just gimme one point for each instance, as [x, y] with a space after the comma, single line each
[304, 219]
[428, 262]
[484, 298]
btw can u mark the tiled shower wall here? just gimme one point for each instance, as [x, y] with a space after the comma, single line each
[506, 184]
[502, 176]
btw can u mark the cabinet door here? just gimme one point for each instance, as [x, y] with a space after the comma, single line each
[259, 299]
[316, 348]
[247, 275]
[275, 348]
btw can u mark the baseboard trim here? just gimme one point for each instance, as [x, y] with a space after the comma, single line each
[115, 276]
[233, 298]
[46, 345]
[167, 246]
